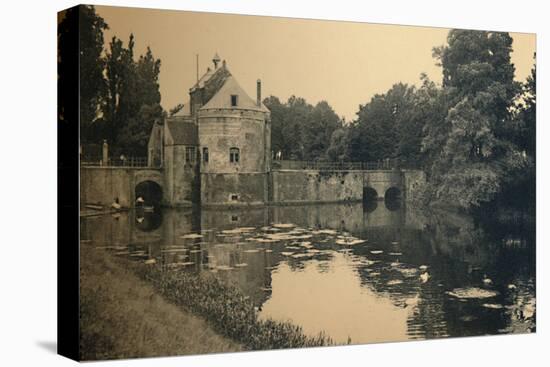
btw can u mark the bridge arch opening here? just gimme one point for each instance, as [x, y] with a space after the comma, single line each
[150, 193]
[393, 194]
[148, 221]
[392, 198]
[369, 194]
[370, 199]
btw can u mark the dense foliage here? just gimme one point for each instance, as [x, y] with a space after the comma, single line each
[473, 135]
[300, 130]
[226, 309]
[119, 95]
[477, 149]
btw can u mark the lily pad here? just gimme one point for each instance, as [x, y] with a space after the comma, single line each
[191, 236]
[265, 240]
[179, 264]
[238, 230]
[324, 231]
[472, 293]
[394, 282]
[224, 267]
[492, 306]
[284, 225]
[301, 255]
[408, 272]
[293, 248]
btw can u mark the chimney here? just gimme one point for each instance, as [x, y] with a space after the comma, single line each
[259, 93]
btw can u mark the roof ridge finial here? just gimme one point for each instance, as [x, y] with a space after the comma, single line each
[216, 59]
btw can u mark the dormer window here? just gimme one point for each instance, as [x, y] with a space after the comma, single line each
[234, 100]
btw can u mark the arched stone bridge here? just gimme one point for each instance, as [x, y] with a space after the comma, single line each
[103, 184]
[289, 186]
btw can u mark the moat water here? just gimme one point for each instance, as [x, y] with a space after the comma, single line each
[365, 273]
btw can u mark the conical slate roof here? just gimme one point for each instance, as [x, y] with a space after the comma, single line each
[222, 99]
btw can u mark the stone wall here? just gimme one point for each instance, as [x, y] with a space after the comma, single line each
[222, 129]
[234, 183]
[414, 182]
[382, 180]
[102, 185]
[233, 189]
[182, 179]
[308, 186]
[313, 186]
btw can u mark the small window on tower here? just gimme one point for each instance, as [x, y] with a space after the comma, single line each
[234, 155]
[190, 154]
[205, 154]
[234, 100]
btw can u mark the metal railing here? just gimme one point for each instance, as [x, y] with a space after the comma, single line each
[114, 162]
[386, 164]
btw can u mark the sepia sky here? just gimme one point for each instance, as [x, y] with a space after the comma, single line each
[344, 63]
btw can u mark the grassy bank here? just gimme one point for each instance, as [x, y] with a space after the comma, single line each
[225, 308]
[122, 316]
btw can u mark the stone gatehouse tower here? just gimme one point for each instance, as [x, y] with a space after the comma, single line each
[217, 149]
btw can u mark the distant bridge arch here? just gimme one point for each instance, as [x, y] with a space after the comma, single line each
[369, 194]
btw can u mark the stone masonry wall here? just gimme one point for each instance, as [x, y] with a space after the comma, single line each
[316, 186]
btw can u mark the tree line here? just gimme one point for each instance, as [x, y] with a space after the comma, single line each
[473, 133]
[119, 92]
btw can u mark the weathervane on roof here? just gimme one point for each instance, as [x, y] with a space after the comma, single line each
[216, 60]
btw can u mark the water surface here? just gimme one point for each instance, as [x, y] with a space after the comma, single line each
[365, 273]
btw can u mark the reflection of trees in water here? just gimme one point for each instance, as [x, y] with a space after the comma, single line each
[458, 250]
[459, 254]
[467, 252]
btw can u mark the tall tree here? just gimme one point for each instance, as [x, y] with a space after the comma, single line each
[476, 156]
[385, 127]
[91, 64]
[300, 130]
[119, 65]
[321, 122]
[133, 98]
[338, 148]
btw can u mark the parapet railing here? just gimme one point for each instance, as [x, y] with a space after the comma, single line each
[114, 162]
[386, 164]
